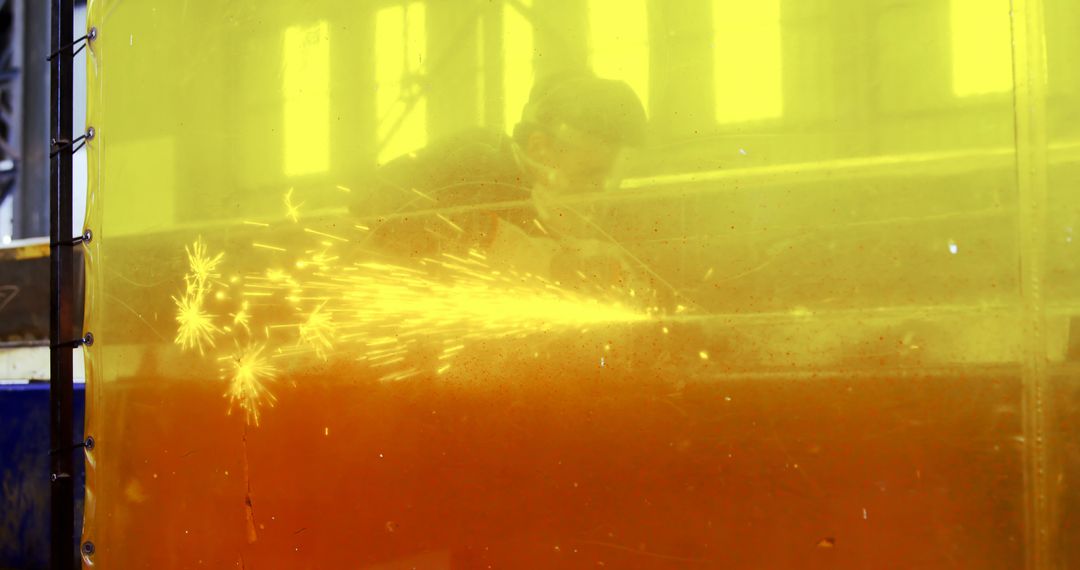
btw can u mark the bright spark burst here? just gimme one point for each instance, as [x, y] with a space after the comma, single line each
[318, 332]
[249, 373]
[292, 211]
[201, 266]
[197, 329]
[243, 317]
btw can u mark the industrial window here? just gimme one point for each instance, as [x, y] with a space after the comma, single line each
[400, 63]
[518, 46]
[981, 47]
[306, 83]
[748, 60]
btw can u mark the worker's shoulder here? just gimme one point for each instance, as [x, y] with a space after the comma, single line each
[475, 144]
[476, 159]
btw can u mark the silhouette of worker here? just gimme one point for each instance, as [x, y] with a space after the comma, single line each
[484, 191]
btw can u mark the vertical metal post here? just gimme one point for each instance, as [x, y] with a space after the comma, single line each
[1029, 73]
[31, 197]
[14, 88]
[62, 292]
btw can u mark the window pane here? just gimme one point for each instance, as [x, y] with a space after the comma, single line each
[748, 60]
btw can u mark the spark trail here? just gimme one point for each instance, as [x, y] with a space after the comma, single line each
[320, 299]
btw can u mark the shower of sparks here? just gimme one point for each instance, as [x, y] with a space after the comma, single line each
[319, 300]
[388, 309]
[248, 373]
[388, 314]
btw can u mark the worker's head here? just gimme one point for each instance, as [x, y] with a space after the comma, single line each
[574, 126]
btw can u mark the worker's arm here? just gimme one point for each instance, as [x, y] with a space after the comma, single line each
[584, 265]
[432, 200]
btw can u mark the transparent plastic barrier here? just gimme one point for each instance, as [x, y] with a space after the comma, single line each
[588, 284]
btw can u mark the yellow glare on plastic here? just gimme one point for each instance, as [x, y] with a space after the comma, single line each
[981, 50]
[306, 85]
[619, 36]
[748, 73]
[518, 63]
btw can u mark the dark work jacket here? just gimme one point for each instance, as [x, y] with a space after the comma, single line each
[447, 197]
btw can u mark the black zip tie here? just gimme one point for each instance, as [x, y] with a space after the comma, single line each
[60, 145]
[87, 444]
[87, 340]
[76, 52]
[89, 37]
[87, 237]
[53, 55]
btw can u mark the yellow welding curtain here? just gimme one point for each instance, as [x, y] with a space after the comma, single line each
[583, 284]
